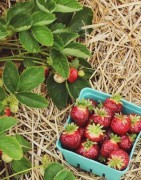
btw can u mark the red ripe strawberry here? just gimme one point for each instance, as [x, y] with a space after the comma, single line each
[46, 71]
[7, 111]
[0, 152]
[73, 75]
[102, 116]
[109, 145]
[114, 103]
[94, 132]
[135, 123]
[82, 131]
[118, 159]
[120, 124]
[80, 112]
[127, 141]
[88, 149]
[70, 137]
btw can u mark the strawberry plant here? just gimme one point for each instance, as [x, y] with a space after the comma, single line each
[47, 32]
[17, 88]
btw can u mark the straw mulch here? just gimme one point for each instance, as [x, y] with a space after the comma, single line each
[116, 45]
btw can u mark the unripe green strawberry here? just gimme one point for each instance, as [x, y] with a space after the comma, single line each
[14, 108]
[81, 73]
[6, 158]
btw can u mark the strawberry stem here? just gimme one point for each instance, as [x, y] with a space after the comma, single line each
[70, 128]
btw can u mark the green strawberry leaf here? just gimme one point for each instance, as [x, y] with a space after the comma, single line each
[52, 170]
[43, 35]
[64, 174]
[58, 43]
[19, 7]
[46, 5]
[74, 63]
[11, 77]
[58, 28]
[3, 32]
[11, 147]
[77, 50]
[75, 87]
[84, 63]
[81, 18]
[41, 18]
[21, 165]
[68, 37]
[1, 107]
[28, 62]
[31, 78]
[57, 92]
[60, 63]
[60, 18]
[29, 42]
[67, 6]
[26, 146]
[2, 21]
[20, 22]
[6, 123]
[2, 94]
[32, 100]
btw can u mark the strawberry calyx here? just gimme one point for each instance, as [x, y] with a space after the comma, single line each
[134, 119]
[95, 130]
[116, 162]
[132, 137]
[83, 103]
[101, 112]
[115, 138]
[88, 144]
[71, 128]
[121, 117]
[116, 98]
[102, 159]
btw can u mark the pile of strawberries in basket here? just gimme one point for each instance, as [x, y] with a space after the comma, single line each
[100, 131]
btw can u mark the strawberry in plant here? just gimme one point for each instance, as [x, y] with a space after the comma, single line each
[6, 158]
[80, 113]
[81, 73]
[88, 149]
[7, 111]
[71, 137]
[127, 141]
[102, 116]
[58, 78]
[0, 152]
[118, 159]
[135, 123]
[109, 145]
[46, 71]
[120, 124]
[94, 132]
[114, 103]
[73, 75]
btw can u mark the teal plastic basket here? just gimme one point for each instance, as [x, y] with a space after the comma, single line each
[93, 166]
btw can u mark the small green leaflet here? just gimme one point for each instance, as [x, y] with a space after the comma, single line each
[26, 146]
[52, 170]
[67, 6]
[43, 35]
[11, 77]
[31, 78]
[68, 37]
[2, 94]
[11, 147]
[80, 19]
[63, 175]
[58, 28]
[6, 123]
[60, 63]
[3, 32]
[29, 42]
[58, 43]
[77, 50]
[20, 22]
[41, 18]
[57, 92]
[47, 6]
[32, 100]
[1, 107]
[21, 165]
[19, 7]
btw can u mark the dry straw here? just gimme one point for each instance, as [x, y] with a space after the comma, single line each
[115, 42]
